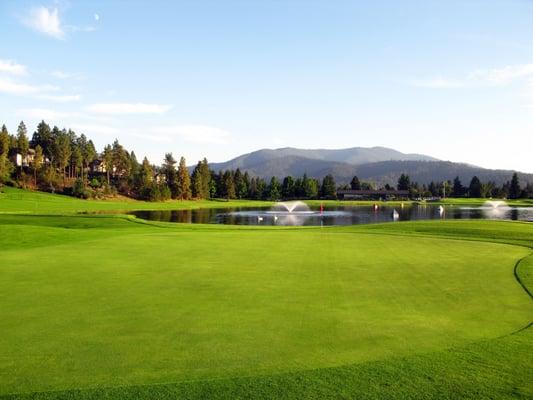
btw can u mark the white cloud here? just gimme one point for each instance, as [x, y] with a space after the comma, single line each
[59, 74]
[89, 129]
[437, 83]
[12, 67]
[502, 76]
[60, 98]
[11, 87]
[128, 108]
[46, 21]
[200, 134]
[481, 78]
[96, 17]
[44, 113]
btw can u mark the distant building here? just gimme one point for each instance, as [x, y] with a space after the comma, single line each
[347, 194]
[98, 166]
[23, 161]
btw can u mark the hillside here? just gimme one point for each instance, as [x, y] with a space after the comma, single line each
[379, 164]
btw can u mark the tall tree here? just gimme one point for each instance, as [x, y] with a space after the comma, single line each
[458, 189]
[355, 184]
[107, 158]
[183, 181]
[37, 162]
[4, 141]
[287, 188]
[228, 185]
[23, 144]
[474, 189]
[514, 188]
[62, 151]
[44, 138]
[274, 189]
[329, 188]
[169, 169]
[404, 182]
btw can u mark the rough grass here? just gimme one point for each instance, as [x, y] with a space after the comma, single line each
[110, 307]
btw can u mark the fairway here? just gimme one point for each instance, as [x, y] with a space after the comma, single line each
[106, 302]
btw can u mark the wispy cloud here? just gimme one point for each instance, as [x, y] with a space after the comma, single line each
[46, 21]
[17, 88]
[480, 78]
[128, 108]
[60, 98]
[44, 113]
[59, 74]
[89, 129]
[200, 134]
[11, 67]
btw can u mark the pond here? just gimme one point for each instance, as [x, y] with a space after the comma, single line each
[334, 215]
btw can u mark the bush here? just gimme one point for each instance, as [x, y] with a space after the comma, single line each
[79, 190]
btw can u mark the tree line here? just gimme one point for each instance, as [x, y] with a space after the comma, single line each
[60, 160]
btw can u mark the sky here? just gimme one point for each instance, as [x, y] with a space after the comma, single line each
[215, 79]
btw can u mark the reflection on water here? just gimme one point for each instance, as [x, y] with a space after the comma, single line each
[338, 215]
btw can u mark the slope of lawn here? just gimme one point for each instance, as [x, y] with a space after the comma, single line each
[13, 200]
[111, 307]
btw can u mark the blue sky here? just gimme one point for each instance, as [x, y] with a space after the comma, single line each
[219, 78]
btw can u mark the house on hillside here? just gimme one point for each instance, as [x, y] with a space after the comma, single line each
[348, 194]
[98, 165]
[23, 161]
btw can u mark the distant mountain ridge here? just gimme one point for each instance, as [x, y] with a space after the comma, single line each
[379, 164]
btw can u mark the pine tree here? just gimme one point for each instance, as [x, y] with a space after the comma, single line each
[183, 189]
[355, 184]
[458, 189]
[274, 189]
[37, 162]
[169, 169]
[329, 188]
[404, 182]
[4, 141]
[474, 189]
[287, 188]
[107, 157]
[514, 188]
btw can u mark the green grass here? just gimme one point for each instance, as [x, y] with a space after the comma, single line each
[13, 200]
[113, 307]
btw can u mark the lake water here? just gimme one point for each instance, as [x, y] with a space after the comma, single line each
[337, 215]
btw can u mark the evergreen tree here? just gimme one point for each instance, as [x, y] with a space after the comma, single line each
[458, 189]
[107, 158]
[196, 181]
[62, 151]
[23, 144]
[228, 185]
[274, 189]
[171, 176]
[329, 188]
[514, 188]
[241, 186]
[404, 182]
[183, 189]
[37, 162]
[287, 188]
[44, 138]
[474, 189]
[4, 141]
[355, 184]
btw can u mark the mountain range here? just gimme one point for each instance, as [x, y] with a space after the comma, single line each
[379, 164]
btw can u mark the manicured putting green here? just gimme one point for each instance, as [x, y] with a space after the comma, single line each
[118, 303]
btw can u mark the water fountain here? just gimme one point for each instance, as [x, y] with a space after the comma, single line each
[291, 207]
[495, 204]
